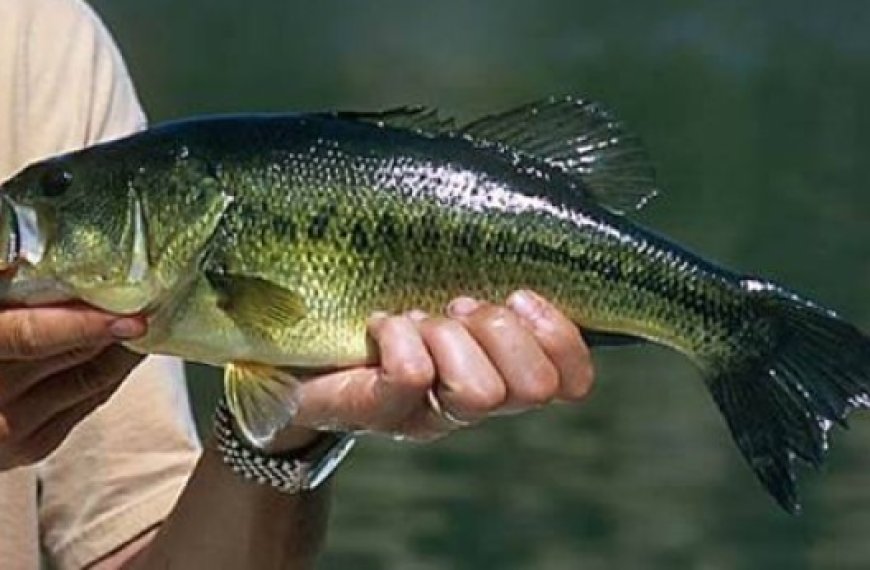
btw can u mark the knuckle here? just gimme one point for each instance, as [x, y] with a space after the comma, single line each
[493, 316]
[481, 400]
[442, 329]
[417, 372]
[540, 385]
[567, 336]
[23, 336]
[566, 345]
[393, 325]
[581, 386]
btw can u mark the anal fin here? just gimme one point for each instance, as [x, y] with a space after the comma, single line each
[261, 398]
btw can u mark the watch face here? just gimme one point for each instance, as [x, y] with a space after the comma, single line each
[323, 468]
[289, 473]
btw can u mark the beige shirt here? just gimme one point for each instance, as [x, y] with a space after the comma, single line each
[63, 85]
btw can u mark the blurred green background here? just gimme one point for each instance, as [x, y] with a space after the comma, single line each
[755, 115]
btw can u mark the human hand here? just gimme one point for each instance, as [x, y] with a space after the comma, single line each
[480, 360]
[57, 364]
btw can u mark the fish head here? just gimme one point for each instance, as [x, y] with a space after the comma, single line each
[112, 225]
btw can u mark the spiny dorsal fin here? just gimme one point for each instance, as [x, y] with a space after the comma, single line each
[575, 136]
[423, 120]
[581, 139]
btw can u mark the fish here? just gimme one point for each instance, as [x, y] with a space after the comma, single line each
[261, 243]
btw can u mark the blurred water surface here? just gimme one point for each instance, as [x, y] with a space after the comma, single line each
[755, 114]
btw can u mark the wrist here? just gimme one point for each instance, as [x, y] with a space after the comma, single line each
[307, 459]
[293, 439]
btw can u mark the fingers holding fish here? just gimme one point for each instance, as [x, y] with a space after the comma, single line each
[407, 370]
[469, 386]
[415, 352]
[491, 360]
[560, 340]
[73, 385]
[36, 343]
[55, 361]
[378, 399]
[529, 377]
[39, 444]
[21, 375]
[438, 374]
[43, 400]
[36, 333]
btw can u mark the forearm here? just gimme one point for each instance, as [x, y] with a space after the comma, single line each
[224, 521]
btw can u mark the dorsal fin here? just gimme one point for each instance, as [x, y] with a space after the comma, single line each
[575, 136]
[423, 120]
[581, 139]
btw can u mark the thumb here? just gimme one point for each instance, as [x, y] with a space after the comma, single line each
[32, 333]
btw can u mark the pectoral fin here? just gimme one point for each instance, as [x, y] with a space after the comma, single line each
[257, 306]
[261, 398]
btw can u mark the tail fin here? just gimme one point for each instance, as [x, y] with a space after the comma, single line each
[781, 395]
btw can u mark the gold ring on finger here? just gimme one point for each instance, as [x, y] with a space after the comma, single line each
[443, 413]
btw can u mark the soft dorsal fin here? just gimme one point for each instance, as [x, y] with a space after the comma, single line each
[423, 120]
[581, 139]
[575, 136]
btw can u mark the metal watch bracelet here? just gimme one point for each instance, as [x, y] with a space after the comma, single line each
[292, 472]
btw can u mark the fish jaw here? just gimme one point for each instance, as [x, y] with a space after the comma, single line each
[21, 290]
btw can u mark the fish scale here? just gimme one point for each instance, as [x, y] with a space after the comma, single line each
[339, 197]
[265, 241]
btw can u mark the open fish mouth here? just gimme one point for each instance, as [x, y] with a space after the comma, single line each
[22, 238]
[23, 243]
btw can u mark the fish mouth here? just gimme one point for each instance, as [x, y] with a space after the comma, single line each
[23, 243]
[23, 238]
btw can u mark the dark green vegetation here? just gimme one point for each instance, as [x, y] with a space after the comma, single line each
[753, 113]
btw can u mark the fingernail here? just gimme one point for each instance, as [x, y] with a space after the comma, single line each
[376, 317]
[462, 306]
[417, 315]
[127, 328]
[526, 304]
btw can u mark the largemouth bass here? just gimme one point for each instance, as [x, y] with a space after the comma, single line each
[262, 243]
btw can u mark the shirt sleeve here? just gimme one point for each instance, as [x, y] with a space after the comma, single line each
[120, 471]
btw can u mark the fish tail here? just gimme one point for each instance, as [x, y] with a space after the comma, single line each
[795, 373]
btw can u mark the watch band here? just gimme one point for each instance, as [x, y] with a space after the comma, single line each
[292, 472]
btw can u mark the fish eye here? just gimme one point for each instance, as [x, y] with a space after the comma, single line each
[55, 181]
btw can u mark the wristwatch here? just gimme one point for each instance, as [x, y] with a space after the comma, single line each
[292, 472]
